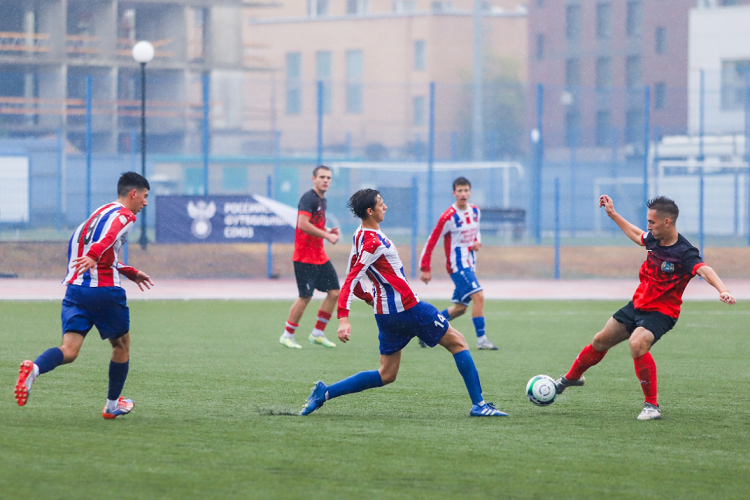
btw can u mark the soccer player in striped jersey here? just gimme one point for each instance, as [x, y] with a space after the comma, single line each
[94, 296]
[399, 313]
[669, 266]
[459, 228]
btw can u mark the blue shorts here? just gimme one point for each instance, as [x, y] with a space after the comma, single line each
[466, 286]
[423, 321]
[104, 307]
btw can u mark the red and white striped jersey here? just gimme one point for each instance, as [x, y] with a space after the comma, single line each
[460, 229]
[100, 237]
[375, 256]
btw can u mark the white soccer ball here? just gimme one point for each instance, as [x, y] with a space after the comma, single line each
[541, 390]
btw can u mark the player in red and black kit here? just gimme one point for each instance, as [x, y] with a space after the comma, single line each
[312, 268]
[671, 263]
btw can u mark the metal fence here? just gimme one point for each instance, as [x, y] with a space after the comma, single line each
[64, 143]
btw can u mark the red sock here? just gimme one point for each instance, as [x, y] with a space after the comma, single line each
[585, 360]
[645, 369]
[290, 328]
[323, 318]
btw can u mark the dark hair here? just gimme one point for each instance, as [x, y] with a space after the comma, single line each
[664, 206]
[461, 181]
[320, 167]
[361, 201]
[129, 181]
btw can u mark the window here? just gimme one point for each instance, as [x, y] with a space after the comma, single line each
[604, 21]
[194, 181]
[603, 128]
[572, 127]
[633, 126]
[539, 47]
[323, 74]
[728, 3]
[357, 7]
[442, 6]
[419, 56]
[573, 73]
[403, 6]
[733, 83]
[633, 19]
[660, 95]
[354, 81]
[633, 71]
[293, 83]
[660, 40]
[234, 180]
[317, 8]
[419, 113]
[603, 73]
[573, 22]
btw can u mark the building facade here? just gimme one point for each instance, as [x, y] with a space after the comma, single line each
[594, 59]
[376, 60]
[49, 48]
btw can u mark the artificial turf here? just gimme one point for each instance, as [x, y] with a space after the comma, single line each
[212, 388]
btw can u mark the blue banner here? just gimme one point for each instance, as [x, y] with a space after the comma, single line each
[223, 219]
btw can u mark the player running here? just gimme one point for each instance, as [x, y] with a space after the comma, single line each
[459, 227]
[312, 268]
[94, 296]
[400, 315]
[671, 263]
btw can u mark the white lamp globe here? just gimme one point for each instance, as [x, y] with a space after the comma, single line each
[143, 51]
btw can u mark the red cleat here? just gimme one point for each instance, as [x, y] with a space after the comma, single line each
[25, 379]
[124, 406]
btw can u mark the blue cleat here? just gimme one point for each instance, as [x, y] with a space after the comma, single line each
[317, 398]
[486, 410]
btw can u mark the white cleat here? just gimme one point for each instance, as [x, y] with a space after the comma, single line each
[650, 412]
[483, 344]
[289, 342]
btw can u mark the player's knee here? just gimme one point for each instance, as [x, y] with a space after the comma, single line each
[69, 354]
[333, 293]
[478, 297]
[458, 310]
[599, 343]
[639, 345]
[388, 376]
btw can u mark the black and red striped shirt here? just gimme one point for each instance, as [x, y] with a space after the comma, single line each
[665, 274]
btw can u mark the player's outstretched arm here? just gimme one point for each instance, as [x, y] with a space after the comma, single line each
[713, 279]
[631, 230]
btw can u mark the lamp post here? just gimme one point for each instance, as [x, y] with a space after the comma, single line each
[143, 52]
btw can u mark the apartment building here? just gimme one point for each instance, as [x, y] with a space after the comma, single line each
[376, 59]
[48, 49]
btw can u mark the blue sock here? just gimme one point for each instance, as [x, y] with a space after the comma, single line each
[465, 365]
[49, 360]
[118, 372]
[356, 383]
[446, 314]
[479, 325]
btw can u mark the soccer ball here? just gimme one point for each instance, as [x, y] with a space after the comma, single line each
[541, 390]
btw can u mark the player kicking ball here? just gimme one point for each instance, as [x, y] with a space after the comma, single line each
[459, 227]
[671, 263]
[94, 296]
[399, 313]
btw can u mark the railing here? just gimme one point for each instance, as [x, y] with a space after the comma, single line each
[24, 42]
[83, 44]
[125, 47]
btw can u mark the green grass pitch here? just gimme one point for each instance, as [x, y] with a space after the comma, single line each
[210, 380]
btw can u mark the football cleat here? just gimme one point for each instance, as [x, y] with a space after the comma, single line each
[317, 398]
[321, 340]
[485, 345]
[290, 343]
[562, 383]
[486, 410]
[650, 412]
[124, 406]
[26, 377]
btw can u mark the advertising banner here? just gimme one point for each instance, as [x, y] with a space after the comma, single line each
[223, 219]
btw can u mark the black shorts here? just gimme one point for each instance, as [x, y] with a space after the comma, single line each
[311, 277]
[653, 321]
